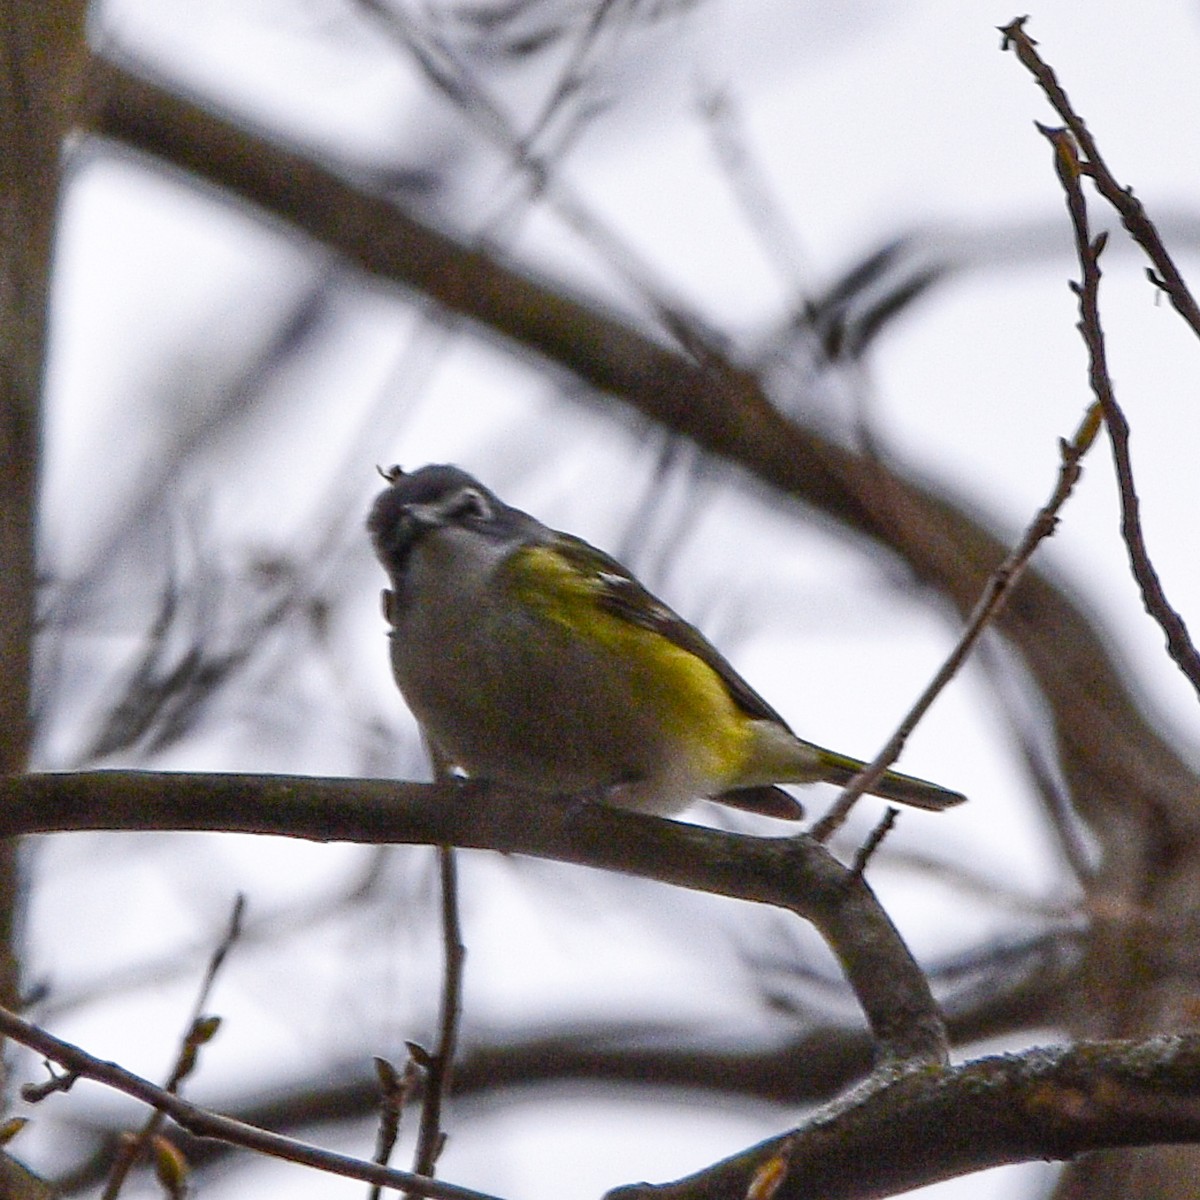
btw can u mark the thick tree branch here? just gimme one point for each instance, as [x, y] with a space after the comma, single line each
[794, 873]
[42, 54]
[921, 1127]
[1041, 1104]
[1014, 994]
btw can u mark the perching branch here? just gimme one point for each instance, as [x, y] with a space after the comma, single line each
[793, 873]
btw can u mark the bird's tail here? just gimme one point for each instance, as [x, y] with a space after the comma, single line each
[892, 785]
[781, 757]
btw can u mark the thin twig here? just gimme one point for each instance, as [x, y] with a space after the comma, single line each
[395, 1087]
[1179, 643]
[995, 595]
[1013, 689]
[200, 1030]
[1180, 646]
[765, 217]
[206, 1124]
[1002, 581]
[444, 71]
[1165, 275]
[868, 848]
[573, 77]
[440, 1066]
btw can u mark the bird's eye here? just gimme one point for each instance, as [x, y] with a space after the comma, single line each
[471, 502]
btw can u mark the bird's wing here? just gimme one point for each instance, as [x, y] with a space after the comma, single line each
[618, 593]
[765, 799]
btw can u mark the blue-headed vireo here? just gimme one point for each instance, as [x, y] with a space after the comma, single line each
[531, 658]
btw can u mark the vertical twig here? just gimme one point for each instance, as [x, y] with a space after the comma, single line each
[395, 1087]
[439, 1066]
[1070, 169]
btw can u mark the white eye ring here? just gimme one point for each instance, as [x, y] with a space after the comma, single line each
[471, 502]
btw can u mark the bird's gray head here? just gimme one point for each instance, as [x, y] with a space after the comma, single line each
[430, 498]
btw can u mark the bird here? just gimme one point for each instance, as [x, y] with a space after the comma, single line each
[530, 658]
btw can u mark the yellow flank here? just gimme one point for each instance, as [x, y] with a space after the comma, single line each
[689, 696]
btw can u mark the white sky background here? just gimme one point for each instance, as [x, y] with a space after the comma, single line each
[867, 121]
